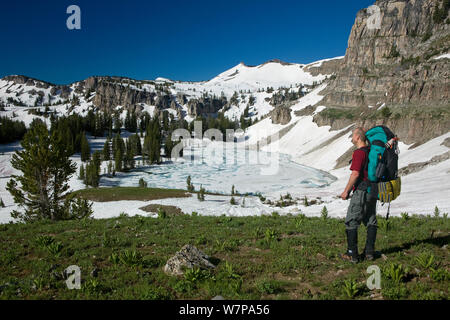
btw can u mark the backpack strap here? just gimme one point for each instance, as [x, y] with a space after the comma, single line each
[378, 143]
[363, 185]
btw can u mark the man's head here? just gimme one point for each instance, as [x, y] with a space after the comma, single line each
[359, 137]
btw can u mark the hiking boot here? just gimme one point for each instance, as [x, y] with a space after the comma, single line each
[352, 244]
[348, 256]
[369, 250]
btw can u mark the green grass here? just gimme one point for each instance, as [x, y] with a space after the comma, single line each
[266, 257]
[129, 193]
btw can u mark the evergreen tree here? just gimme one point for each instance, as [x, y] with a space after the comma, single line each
[2, 204]
[201, 194]
[152, 142]
[46, 169]
[93, 171]
[127, 121]
[129, 156]
[97, 161]
[106, 151]
[118, 160]
[190, 186]
[110, 167]
[142, 183]
[82, 175]
[85, 148]
[133, 122]
[168, 146]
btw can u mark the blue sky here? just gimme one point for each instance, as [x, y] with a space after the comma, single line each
[180, 40]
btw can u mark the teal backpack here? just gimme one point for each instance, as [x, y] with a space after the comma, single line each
[382, 165]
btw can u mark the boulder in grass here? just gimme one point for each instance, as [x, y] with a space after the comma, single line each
[188, 257]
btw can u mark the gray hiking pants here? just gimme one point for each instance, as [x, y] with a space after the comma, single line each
[361, 210]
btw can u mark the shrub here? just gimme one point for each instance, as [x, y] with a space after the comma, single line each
[268, 287]
[201, 240]
[194, 275]
[405, 216]
[54, 248]
[324, 213]
[128, 257]
[396, 272]
[436, 211]
[161, 213]
[190, 186]
[385, 224]
[270, 235]
[386, 112]
[201, 194]
[394, 292]
[44, 241]
[425, 260]
[142, 183]
[233, 201]
[131, 258]
[229, 271]
[305, 202]
[440, 275]
[157, 293]
[350, 288]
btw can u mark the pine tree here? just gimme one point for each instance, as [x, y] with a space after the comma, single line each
[168, 147]
[201, 194]
[109, 168]
[106, 152]
[127, 121]
[2, 204]
[118, 160]
[190, 187]
[46, 169]
[142, 183]
[129, 156]
[119, 152]
[97, 161]
[82, 175]
[85, 148]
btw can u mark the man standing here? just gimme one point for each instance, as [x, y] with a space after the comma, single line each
[361, 208]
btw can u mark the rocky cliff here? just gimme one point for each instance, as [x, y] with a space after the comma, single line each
[399, 63]
[396, 63]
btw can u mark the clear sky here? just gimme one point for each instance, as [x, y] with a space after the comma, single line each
[181, 40]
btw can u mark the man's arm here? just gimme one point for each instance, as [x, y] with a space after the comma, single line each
[351, 182]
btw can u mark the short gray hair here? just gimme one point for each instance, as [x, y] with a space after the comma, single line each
[361, 133]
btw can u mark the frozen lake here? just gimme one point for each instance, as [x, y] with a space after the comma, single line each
[218, 166]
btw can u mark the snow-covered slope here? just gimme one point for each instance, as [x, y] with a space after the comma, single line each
[19, 93]
[301, 138]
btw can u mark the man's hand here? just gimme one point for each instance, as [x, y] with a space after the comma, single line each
[344, 195]
[350, 184]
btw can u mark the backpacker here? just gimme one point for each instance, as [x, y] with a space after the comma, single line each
[382, 166]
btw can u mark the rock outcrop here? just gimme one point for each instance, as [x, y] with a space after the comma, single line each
[205, 106]
[325, 67]
[188, 257]
[415, 167]
[62, 91]
[281, 115]
[398, 64]
[395, 63]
